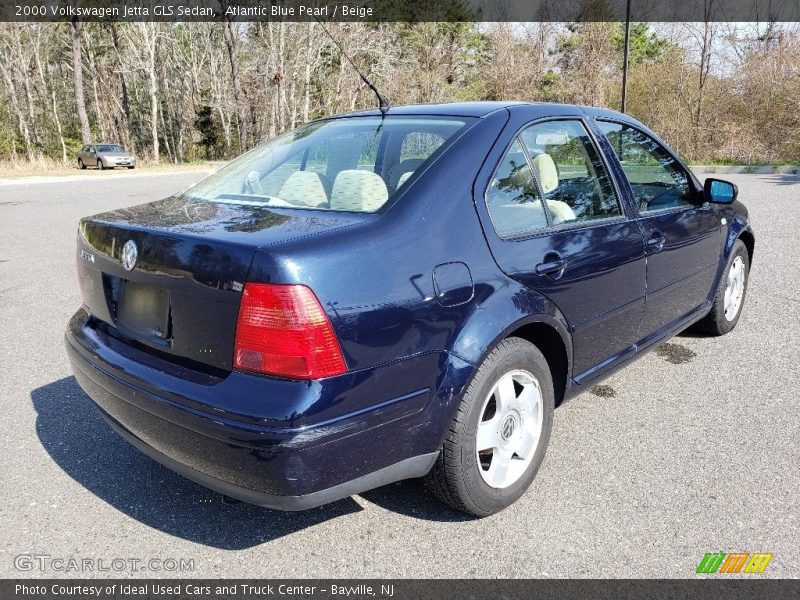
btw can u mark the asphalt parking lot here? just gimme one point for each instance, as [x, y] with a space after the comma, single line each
[693, 449]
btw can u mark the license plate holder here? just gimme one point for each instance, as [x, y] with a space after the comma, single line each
[143, 310]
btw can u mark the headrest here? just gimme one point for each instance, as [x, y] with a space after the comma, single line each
[403, 178]
[358, 190]
[409, 164]
[304, 188]
[253, 183]
[545, 171]
[560, 211]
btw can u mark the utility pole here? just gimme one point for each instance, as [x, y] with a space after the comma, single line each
[626, 53]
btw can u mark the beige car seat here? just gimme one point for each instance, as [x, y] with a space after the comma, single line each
[403, 178]
[273, 180]
[253, 183]
[358, 190]
[402, 170]
[304, 188]
[544, 168]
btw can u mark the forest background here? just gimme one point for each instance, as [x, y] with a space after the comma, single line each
[719, 93]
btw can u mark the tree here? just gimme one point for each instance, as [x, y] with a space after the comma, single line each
[230, 43]
[210, 131]
[143, 39]
[77, 80]
[644, 43]
[587, 54]
[717, 91]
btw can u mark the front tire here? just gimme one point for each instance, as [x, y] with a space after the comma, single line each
[100, 164]
[499, 435]
[731, 291]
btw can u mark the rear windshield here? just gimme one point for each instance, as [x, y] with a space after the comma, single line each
[349, 164]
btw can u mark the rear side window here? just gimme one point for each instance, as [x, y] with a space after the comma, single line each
[551, 174]
[570, 172]
[420, 144]
[658, 180]
[513, 199]
[348, 164]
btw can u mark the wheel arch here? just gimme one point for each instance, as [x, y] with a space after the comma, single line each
[551, 344]
[519, 312]
[749, 241]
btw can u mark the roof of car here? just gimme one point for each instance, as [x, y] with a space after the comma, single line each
[450, 109]
[471, 109]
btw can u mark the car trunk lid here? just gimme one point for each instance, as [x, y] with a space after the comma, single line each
[181, 297]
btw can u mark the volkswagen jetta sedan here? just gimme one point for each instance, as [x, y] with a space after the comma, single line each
[377, 297]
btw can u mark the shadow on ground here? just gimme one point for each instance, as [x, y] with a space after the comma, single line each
[785, 179]
[81, 443]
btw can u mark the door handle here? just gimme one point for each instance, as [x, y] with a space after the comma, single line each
[656, 242]
[551, 266]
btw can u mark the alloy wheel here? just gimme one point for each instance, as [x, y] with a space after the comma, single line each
[509, 429]
[734, 289]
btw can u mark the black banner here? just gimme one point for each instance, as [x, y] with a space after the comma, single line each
[574, 589]
[400, 10]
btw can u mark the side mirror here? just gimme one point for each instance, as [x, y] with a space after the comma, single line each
[720, 191]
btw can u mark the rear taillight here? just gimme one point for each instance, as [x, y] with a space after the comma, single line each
[283, 330]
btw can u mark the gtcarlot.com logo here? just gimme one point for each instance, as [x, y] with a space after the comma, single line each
[72, 564]
[734, 562]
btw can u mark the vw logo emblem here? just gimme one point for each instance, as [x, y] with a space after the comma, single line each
[508, 426]
[130, 254]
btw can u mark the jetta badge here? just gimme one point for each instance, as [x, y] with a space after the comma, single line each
[130, 254]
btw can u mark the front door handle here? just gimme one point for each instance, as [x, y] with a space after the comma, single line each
[551, 267]
[656, 242]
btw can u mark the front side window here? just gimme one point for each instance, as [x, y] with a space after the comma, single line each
[658, 180]
[346, 164]
[570, 172]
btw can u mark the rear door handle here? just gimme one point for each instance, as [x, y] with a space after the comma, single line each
[656, 242]
[550, 267]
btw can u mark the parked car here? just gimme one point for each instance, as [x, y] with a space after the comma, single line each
[105, 156]
[377, 297]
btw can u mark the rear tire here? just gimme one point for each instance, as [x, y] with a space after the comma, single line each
[81, 165]
[730, 296]
[511, 424]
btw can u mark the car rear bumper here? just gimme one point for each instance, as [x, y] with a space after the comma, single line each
[411, 467]
[292, 461]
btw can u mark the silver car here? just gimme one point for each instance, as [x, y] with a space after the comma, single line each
[105, 156]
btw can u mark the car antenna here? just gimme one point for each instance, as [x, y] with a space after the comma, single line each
[383, 105]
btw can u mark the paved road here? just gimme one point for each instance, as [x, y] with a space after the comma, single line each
[690, 450]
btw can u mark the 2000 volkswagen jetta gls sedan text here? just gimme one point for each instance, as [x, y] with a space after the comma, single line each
[375, 297]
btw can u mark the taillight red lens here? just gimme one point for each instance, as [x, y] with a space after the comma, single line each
[283, 330]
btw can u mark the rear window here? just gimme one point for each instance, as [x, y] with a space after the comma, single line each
[350, 164]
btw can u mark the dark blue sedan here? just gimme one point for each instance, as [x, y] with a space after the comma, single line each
[376, 297]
